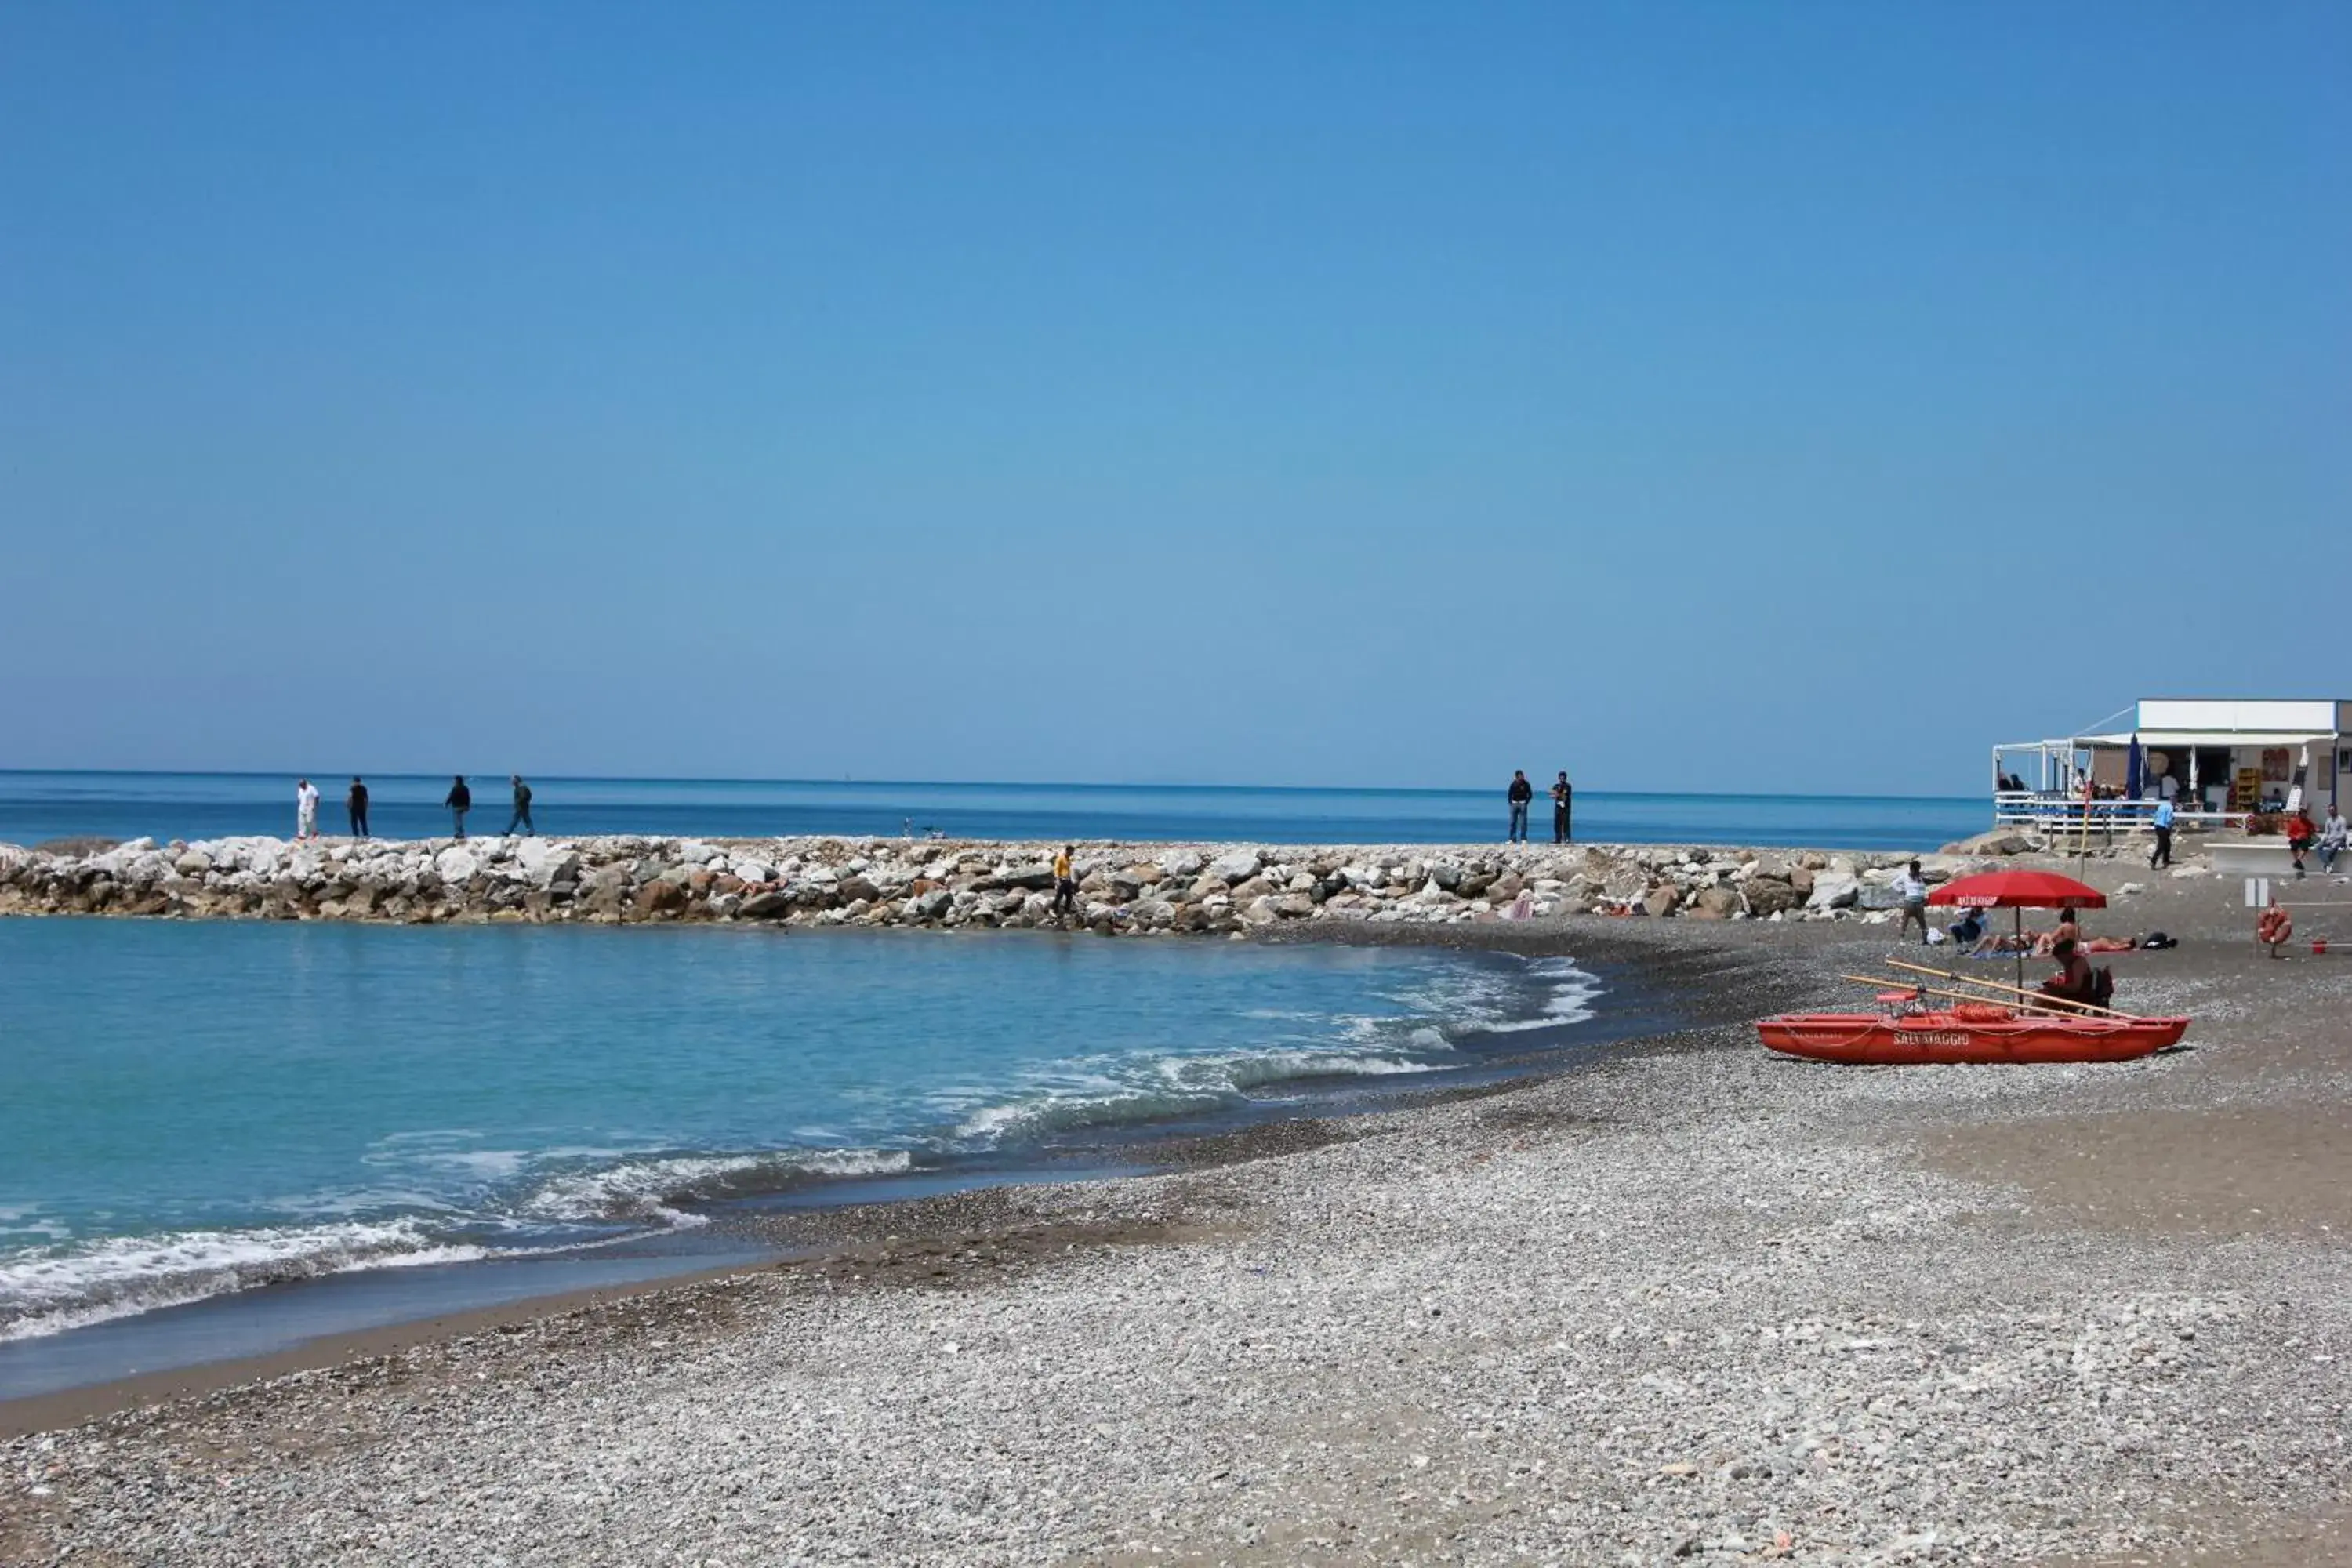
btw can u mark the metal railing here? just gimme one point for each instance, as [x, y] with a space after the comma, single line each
[2058, 814]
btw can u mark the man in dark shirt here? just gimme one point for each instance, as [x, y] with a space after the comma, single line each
[459, 800]
[356, 803]
[1521, 793]
[1564, 797]
[521, 817]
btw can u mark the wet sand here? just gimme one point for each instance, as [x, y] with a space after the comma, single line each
[1693, 1303]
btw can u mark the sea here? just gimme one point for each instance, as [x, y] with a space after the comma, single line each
[221, 1137]
[36, 807]
[218, 1139]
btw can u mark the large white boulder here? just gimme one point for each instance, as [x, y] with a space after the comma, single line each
[1833, 892]
[544, 861]
[1238, 866]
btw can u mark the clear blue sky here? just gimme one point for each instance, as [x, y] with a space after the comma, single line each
[1707, 395]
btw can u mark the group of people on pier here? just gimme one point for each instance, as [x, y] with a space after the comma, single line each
[457, 803]
[1522, 793]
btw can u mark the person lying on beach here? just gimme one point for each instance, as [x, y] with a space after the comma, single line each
[2045, 943]
[2037, 942]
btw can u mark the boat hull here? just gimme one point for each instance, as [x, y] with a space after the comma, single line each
[1873, 1039]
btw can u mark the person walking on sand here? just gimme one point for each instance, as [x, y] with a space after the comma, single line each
[521, 817]
[1912, 888]
[306, 810]
[1519, 794]
[1564, 797]
[356, 805]
[459, 800]
[2333, 839]
[1065, 884]
[2161, 855]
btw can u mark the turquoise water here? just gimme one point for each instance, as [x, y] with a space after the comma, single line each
[36, 807]
[196, 1109]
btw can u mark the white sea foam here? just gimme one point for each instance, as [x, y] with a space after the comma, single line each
[1571, 994]
[1437, 1009]
[49, 1289]
[1131, 1090]
[655, 1190]
[46, 1289]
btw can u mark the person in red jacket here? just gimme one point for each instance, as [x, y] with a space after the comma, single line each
[2299, 835]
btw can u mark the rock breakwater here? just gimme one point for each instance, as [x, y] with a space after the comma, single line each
[1122, 888]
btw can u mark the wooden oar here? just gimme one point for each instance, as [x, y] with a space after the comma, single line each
[2041, 996]
[2046, 1001]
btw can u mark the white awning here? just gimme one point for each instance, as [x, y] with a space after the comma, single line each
[2173, 740]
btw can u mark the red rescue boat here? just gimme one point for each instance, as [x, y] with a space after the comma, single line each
[1966, 1034]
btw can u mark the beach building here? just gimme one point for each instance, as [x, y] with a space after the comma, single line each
[2219, 760]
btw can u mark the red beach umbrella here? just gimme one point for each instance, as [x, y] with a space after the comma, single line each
[2019, 890]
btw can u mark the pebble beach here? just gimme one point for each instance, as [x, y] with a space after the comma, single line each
[1690, 1303]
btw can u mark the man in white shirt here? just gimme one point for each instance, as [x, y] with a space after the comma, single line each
[306, 810]
[1912, 888]
[2333, 837]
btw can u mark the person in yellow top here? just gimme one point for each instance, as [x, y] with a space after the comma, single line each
[1065, 885]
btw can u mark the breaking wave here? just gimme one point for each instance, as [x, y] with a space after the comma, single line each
[662, 1191]
[70, 1286]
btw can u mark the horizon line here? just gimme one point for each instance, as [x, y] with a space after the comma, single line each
[979, 784]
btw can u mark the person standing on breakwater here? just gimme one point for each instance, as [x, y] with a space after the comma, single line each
[459, 800]
[356, 803]
[1912, 888]
[1065, 884]
[1519, 794]
[306, 810]
[521, 807]
[1564, 797]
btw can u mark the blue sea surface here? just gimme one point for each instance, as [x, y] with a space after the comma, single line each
[193, 1110]
[36, 806]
